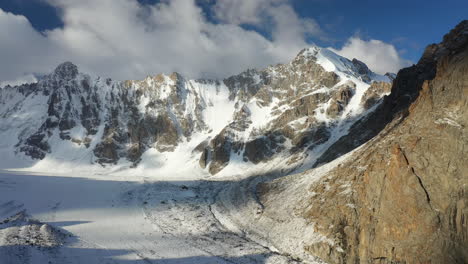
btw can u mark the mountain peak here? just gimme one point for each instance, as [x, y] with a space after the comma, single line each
[454, 41]
[333, 62]
[361, 67]
[457, 38]
[66, 70]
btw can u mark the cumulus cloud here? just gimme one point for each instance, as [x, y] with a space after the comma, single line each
[22, 49]
[124, 39]
[127, 40]
[245, 11]
[379, 56]
[288, 31]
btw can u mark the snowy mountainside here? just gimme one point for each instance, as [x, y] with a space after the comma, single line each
[399, 190]
[281, 117]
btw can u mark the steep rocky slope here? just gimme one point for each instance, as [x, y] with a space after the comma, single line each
[402, 197]
[289, 112]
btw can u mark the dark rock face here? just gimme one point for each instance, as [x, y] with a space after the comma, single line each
[341, 99]
[311, 138]
[35, 146]
[218, 154]
[66, 71]
[361, 67]
[205, 158]
[402, 198]
[107, 151]
[263, 148]
[221, 147]
[66, 96]
[243, 85]
[90, 115]
[391, 76]
[374, 93]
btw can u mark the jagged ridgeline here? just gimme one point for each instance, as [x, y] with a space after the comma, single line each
[402, 197]
[287, 115]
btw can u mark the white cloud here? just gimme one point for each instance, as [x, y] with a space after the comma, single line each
[22, 49]
[244, 11]
[379, 56]
[287, 29]
[123, 39]
[126, 40]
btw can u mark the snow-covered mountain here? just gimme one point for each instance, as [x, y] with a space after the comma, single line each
[312, 164]
[399, 186]
[279, 118]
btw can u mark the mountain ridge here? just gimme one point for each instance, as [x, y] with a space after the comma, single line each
[123, 120]
[399, 197]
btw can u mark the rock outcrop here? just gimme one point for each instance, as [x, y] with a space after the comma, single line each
[374, 93]
[403, 196]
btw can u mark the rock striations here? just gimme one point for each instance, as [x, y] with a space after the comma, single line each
[403, 196]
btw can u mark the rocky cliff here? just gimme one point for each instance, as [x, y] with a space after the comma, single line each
[402, 197]
[289, 112]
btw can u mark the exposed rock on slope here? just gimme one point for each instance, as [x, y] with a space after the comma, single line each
[284, 111]
[405, 89]
[375, 93]
[403, 196]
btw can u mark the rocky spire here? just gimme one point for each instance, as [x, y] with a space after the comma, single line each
[361, 67]
[66, 71]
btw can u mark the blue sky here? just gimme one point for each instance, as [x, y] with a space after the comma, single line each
[408, 24]
[363, 26]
